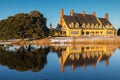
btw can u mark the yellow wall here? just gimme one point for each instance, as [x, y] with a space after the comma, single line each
[92, 32]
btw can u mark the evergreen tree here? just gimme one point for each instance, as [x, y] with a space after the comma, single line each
[24, 25]
[118, 32]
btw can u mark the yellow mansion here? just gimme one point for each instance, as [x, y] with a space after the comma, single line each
[82, 24]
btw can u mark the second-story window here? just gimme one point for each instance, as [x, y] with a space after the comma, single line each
[83, 25]
[92, 26]
[96, 26]
[71, 25]
[76, 25]
[88, 25]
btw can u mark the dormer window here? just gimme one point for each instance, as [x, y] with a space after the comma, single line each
[76, 25]
[88, 25]
[83, 25]
[96, 26]
[71, 25]
[107, 26]
[100, 26]
[92, 26]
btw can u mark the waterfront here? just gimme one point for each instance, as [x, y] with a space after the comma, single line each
[61, 62]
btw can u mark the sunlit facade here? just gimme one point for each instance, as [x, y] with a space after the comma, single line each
[82, 24]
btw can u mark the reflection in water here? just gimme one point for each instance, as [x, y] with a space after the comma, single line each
[24, 58]
[34, 58]
[82, 56]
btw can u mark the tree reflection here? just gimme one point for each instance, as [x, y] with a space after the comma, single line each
[25, 58]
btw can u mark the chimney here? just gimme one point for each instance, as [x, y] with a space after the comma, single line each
[72, 12]
[106, 16]
[83, 13]
[61, 15]
[93, 13]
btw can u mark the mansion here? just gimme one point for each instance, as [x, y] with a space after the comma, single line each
[82, 24]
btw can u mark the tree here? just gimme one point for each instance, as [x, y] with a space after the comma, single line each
[118, 32]
[24, 25]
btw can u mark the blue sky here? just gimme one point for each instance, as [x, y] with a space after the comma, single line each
[51, 8]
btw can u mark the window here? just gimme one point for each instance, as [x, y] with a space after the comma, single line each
[92, 26]
[64, 32]
[97, 32]
[100, 26]
[76, 25]
[71, 25]
[109, 32]
[74, 32]
[87, 47]
[87, 33]
[88, 25]
[82, 32]
[92, 33]
[96, 26]
[83, 25]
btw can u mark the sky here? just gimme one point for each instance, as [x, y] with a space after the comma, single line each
[51, 8]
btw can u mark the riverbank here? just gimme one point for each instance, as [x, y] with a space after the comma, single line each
[67, 40]
[79, 40]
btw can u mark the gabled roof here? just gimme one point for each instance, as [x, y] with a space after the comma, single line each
[69, 20]
[104, 21]
[92, 18]
[86, 19]
[80, 19]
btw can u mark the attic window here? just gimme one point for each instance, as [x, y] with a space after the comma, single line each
[92, 26]
[88, 25]
[107, 26]
[100, 26]
[71, 25]
[76, 25]
[83, 25]
[96, 26]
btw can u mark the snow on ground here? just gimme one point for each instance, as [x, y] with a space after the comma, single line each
[80, 39]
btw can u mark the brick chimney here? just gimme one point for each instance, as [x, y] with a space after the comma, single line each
[72, 12]
[94, 13]
[83, 13]
[106, 16]
[61, 15]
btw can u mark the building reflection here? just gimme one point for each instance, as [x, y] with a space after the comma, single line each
[24, 58]
[84, 55]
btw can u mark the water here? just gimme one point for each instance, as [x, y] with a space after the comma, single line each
[60, 62]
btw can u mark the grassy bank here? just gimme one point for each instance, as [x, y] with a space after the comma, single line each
[67, 40]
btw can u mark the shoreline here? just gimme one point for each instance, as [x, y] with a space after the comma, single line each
[66, 40]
